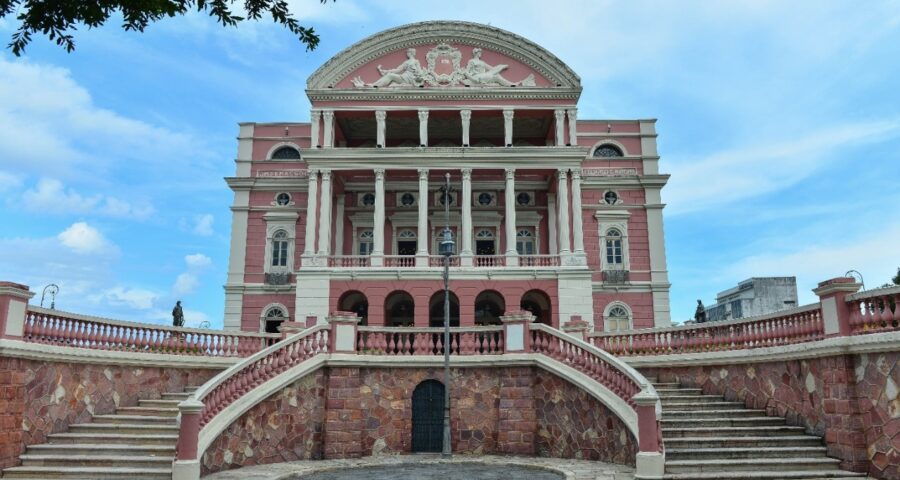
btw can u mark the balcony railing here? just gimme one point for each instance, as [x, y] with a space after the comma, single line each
[875, 311]
[402, 261]
[437, 261]
[539, 260]
[615, 277]
[349, 261]
[490, 260]
[278, 278]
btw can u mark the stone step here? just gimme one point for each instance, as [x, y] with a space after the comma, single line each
[176, 396]
[88, 473]
[767, 474]
[767, 431]
[74, 461]
[721, 422]
[167, 451]
[689, 453]
[720, 405]
[113, 438]
[665, 391]
[135, 419]
[749, 465]
[743, 442]
[688, 399]
[701, 414]
[154, 403]
[192, 388]
[148, 411]
[122, 428]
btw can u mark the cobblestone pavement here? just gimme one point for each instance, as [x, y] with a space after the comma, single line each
[428, 467]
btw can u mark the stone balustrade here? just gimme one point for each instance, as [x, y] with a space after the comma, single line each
[875, 311]
[54, 327]
[429, 341]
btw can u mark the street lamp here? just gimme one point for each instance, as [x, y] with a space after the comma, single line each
[446, 249]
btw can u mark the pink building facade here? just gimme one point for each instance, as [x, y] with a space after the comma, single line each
[552, 214]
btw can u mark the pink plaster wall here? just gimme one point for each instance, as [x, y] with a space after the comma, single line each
[641, 305]
[253, 305]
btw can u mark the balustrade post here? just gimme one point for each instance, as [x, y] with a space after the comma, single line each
[576, 327]
[650, 460]
[343, 332]
[516, 331]
[13, 309]
[187, 464]
[832, 298]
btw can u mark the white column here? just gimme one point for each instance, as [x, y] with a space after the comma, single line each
[659, 275]
[422, 233]
[466, 116]
[512, 255]
[325, 215]
[578, 229]
[315, 118]
[573, 126]
[551, 224]
[423, 128]
[508, 126]
[562, 195]
[380, 116]
[339, 225]
[560, 116]
[328, 115]
[378, 220]
[465, 236]
[312, 198]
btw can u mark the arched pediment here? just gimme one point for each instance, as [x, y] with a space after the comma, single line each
[447, 55]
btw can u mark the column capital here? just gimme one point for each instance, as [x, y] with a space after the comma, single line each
[380, 114]
[508, 113]
[510, 173]
[326, 174]
[315, 113]
[562, 173]
[423, 114]
[559, 113]
[465, 114]
[572, 113]
[379, 174]
[312, 173]
[423, 173]
[328, 114]
[466, 173]
[576, 174]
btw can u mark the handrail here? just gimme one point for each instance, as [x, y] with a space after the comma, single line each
[871, 311]
[875, 292]
[487, 340]
[55, 327]
[803, 324]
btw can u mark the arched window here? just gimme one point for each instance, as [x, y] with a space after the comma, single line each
[399, 310]
[614, 257]
[365, 242]
[280, 249]
[407, 234]
[538, 303]
[286, 153]
[273, 319]
[525, 243]
[357, 303]
[608, 151]
[489, 307]
[617, 318]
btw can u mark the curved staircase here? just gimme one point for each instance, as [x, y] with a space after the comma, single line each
[135, 443]
[707, 437]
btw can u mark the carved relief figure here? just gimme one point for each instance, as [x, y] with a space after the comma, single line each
[478, 72]
[408, 74]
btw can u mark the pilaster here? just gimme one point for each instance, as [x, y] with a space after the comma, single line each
[328, 116]
[508, 114]
[422, 233]
[380, 116]
[466, 116]
[560, 117]
[315, 119]
[377, 256]
[512, 255]
[465, 235]
[423, 127]
[325, 215]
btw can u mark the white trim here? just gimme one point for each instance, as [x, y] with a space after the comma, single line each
[263, 314]
[285, 144]
[628, 313]
[613, 219]
[52, 353]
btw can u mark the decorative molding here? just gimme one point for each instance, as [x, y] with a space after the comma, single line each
[609, 172]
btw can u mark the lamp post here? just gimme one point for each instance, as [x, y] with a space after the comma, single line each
[446, 249]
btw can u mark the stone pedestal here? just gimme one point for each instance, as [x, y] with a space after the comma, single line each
[343, 331]
[835, 313]
[515, 329]
[13, 306]
[576, 328]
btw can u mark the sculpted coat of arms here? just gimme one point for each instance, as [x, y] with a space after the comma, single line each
[444, 69]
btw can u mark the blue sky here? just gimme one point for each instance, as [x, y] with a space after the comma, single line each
[779, 122]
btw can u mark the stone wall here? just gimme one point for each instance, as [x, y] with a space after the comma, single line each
[38, 398]
[284, 427]
[850, 400]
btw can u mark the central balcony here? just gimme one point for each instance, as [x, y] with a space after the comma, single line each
[434, 261]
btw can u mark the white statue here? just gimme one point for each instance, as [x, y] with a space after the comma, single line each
[478, 72]
[408, 74]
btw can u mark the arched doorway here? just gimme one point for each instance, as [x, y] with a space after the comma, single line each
[273, 318]
[538, 303]
[356, 302]
[436, 310]
[489, 307]
[399, 310]
[428, 417]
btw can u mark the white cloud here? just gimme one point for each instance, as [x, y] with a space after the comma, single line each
[137, 298]
[203, 225]
[83, 238]
[185, 284]
[197, 260]
[51, 196]
[9, 181]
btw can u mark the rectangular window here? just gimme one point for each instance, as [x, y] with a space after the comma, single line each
[279, 253]
[614, 252]
[365, 248]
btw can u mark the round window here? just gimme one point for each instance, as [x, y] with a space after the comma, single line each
[407, 199]
[611, 198]
[523, 198]
[368, 199]
[282, 199]
[484, 199]
[445, 197]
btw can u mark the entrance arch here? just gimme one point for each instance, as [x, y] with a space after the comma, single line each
[436, 310]
[538, 303]
[489, 307]
[356, 302]
[399, 309]
[428, 417]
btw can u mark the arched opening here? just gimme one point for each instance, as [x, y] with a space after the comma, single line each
[428, 417]
[617, 317]
[399, 310]
[489, 307]
[286, 153]
[273, 318]
[436, 310]
[357, 303]
[607, 150]
[538, 303]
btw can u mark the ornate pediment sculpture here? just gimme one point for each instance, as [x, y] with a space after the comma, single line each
[444, 70]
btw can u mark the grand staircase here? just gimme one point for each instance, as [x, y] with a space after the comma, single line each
[136, 443]
[707, 438]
